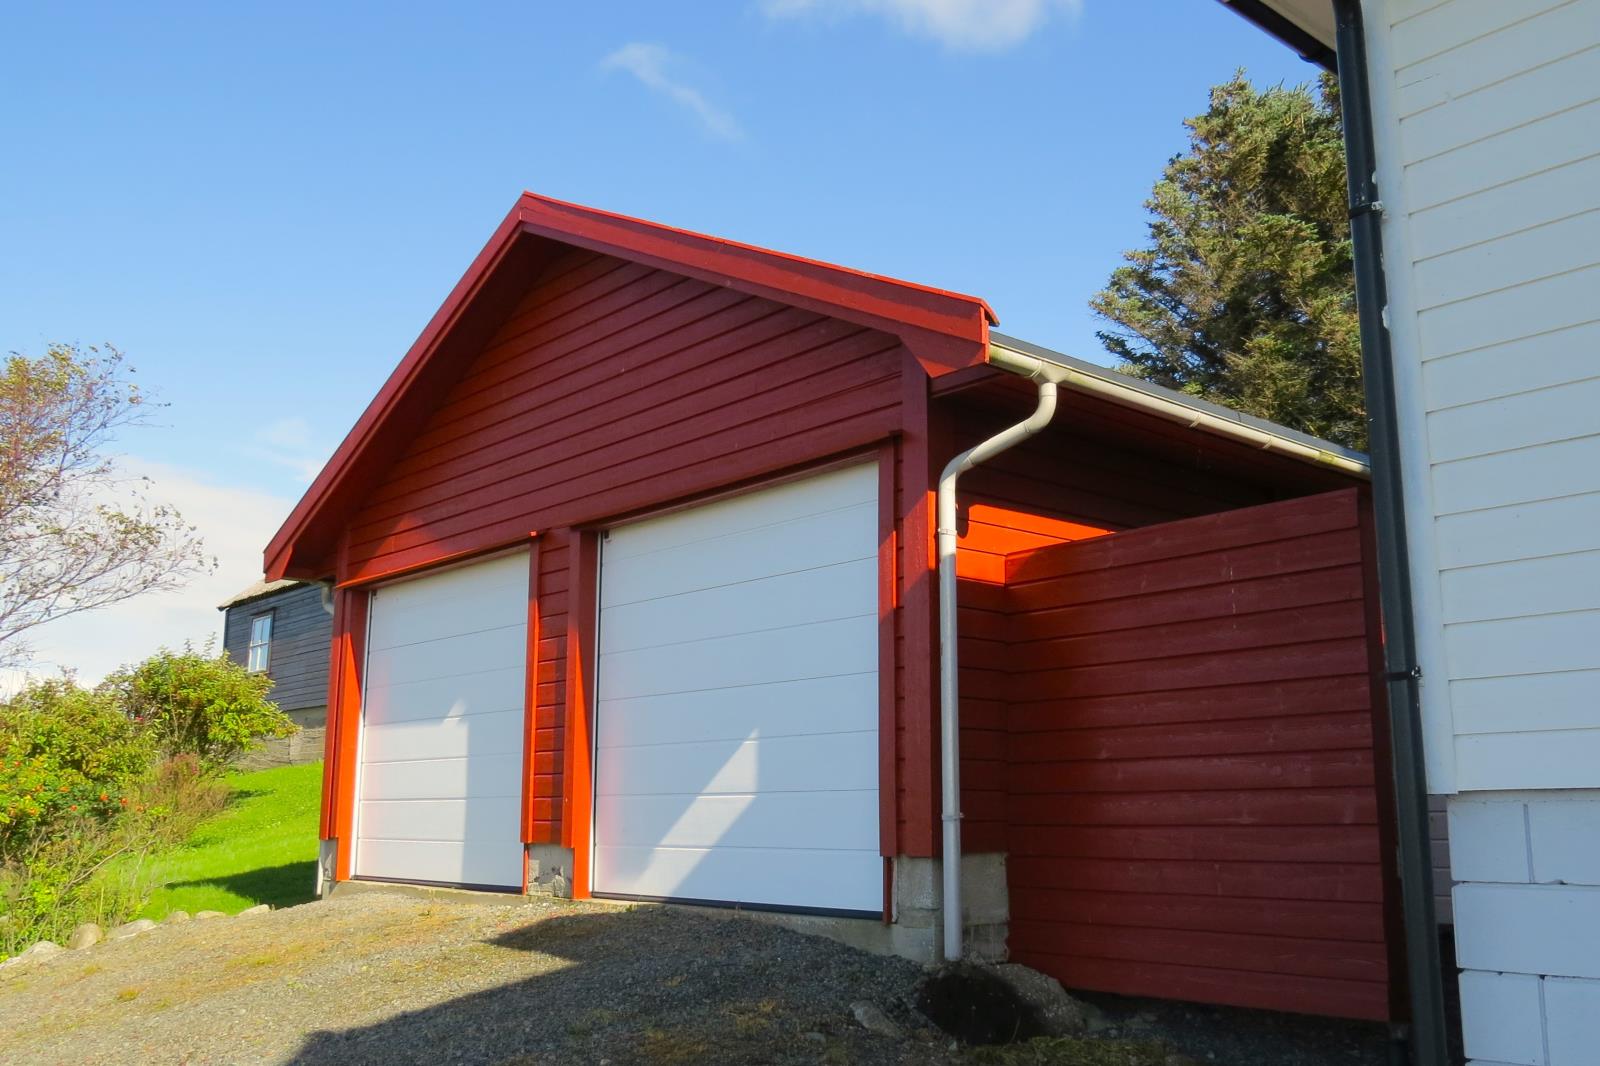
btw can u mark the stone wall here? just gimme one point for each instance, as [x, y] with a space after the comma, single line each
[304, 746]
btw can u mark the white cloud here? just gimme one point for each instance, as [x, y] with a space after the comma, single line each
[963, 25]
[650, 64]
[291, 443]
[235, 525]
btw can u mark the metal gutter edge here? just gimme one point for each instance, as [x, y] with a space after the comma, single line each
[1286, 30]
[1403, 677]
[1175, 410]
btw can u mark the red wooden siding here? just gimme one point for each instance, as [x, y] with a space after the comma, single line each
[1058, 488]
[612, 387]
[990, 531]
[1192, 804]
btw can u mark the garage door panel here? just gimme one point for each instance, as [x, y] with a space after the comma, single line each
[844, 820]
[440, 781]
[483, 692]
[835, 490]
[478, 863]
[486, 776]
[821, 649]
[813, 763]
[736, 750]
[458, 656]
[774, 877]
[437, 820]
[827, 593]
[847, 703]
[469, 599]
[791, 547]
[467, 736]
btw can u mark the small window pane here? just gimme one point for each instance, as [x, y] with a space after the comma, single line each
[260, 643]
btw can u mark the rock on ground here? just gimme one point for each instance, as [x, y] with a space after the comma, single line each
[1058, 1014]
[86, 935]
[874, 1020]
[134, 928]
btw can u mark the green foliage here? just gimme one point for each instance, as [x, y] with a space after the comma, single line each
[199, 704]
[261, 849]
[90, 871]
[92, 782]
[1245, 294]
[68, 756]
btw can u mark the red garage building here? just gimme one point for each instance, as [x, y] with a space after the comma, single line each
[636, 596]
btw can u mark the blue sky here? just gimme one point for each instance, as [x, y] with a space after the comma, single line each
[263, 204]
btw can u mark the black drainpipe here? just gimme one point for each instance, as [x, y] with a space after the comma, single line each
[1429, 1044]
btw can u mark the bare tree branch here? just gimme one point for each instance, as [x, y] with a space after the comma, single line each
[73, 536]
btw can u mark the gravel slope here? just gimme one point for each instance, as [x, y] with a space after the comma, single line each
[387, 978]
[380, 978]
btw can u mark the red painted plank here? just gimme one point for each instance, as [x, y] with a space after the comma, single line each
[1143, 608]
[1284, 662]
[1347, 882]
[1304, 956]
[1223, 773]
[1288, 697]
[1240, 988]
[1267, 524]
[1262, 629]
[1224, 843]
[1314, 551]
[1310, 732]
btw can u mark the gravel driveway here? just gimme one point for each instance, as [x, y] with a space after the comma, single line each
[381, 978]
[386, 978]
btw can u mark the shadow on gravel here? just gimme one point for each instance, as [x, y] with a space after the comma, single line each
[287, 885]
[645, 986]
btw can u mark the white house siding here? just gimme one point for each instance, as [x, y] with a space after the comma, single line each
[1489, 143]
[1488, 123]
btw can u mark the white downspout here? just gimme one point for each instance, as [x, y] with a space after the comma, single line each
[1046, 374]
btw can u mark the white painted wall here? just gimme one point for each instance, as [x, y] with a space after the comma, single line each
[1488, 121]
[1528, 925]
[1487, 114]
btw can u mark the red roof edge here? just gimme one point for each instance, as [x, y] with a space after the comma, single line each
[945, 331]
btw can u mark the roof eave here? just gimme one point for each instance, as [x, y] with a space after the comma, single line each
[1297, 34]
[1199, 415]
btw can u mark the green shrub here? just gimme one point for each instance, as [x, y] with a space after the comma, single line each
[199, 704]
[173, 799]
[91, 870]
[67, 756]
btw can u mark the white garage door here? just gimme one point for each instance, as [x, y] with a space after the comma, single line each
[736, 741]
[442, 720]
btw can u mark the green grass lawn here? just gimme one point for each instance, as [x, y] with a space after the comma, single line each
[261, 849]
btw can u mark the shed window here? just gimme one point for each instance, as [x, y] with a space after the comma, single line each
[260, 643]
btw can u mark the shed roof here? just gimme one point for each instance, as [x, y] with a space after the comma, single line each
[256, 591]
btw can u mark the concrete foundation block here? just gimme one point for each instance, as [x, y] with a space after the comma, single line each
[985, 903]
[549, 870]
